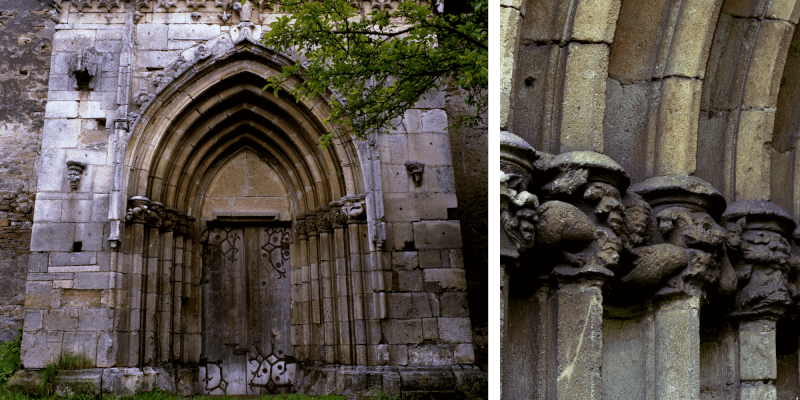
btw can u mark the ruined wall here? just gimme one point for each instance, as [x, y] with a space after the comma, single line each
[26, 33]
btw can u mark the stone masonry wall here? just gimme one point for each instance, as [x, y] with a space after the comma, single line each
[26, 33]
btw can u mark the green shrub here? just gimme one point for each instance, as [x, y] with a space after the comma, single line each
[9, 358]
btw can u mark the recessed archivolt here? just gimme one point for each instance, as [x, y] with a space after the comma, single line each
[217, 107]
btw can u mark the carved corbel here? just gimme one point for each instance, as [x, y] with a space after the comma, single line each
[687, 251]
[181, 225]
[138, 210]
[142, 97]
[355, 208]
[195, 4]
[300, 226]
[74, 172]
[415, 169]
[759, 249]
[84, 66]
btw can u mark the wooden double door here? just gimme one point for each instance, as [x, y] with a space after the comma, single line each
[246, 327]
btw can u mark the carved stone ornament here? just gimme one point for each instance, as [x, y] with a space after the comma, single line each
[142, 97]
[74, 172]
[170, 219]
[300, 226]
[83, 66]
[157, 216]
[760, 251]
[337, 214]
[355, 208]
[581, 215]
[688, 249]
[324, 221]
[517, 205]
[138, 210]
[415, 169]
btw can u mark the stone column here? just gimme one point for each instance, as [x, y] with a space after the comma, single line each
[150, 290]
[164, 290]
[314, 299]
[686, 254]
[758, 233]
[138, 214]
[338, 281]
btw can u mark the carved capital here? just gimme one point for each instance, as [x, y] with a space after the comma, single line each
[138, 210]
[338, 216]
[157, 215]
[685, 250]
[324, 222]
[170, 219]
[758, 245]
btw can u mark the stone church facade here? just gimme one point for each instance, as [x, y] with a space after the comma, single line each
[186, 231]
[649, 199]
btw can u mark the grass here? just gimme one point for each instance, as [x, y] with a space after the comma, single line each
[9, 358]
[65, 362]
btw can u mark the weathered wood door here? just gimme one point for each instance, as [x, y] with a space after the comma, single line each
[246, 343]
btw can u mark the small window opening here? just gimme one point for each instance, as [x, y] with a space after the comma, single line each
[529, 81]
[23, 72]
[101, 123]
[76, 246]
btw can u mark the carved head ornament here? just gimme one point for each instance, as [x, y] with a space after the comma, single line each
[74, 172]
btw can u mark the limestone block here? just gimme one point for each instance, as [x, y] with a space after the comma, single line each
[33, 321]
[579, 340]
[37, 351]
[766, 65]
[37, 295]
[94, 157]
[583, 104]
[91, 109]
[434, 121]
[397, 179]
[457, 330]
[398, 354]
[447, 278]
[595, 20]
[401, 235]
[108, 46]
[73, 40]
[407, 305]
[430, 148]
[677, 344]
[100, 207]
[676, 149]
[430, 328]
[757, 351]
[193, 31]
[154, 59]
[406, 260]
[80, 298]
[409, 281]
[464, 353]
[91, 235]
[73, 258]
[758, 391]
[509, 43]
[61, 109]
[429, 354]
[81, 343]
[52, 237]
[167, 18]
[437, 234]
[107, 345]
[37, 262]
[431, 99]
[691, 40]
[91, 280]
[398, 147]
[95, 319]
[454, 304]
[434, 206]
[752, 177]
[47, 211]
[61, 320]
[430, 259]
[399, 207]
[76, 211]
[456, 258]
[58, 82]
[151, 36]
[60, 133]
[402, 331]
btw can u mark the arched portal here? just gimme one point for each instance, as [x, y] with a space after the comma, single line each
[235, 217]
